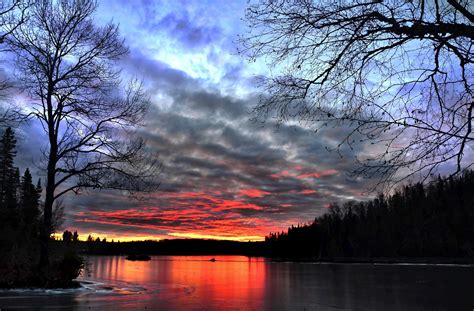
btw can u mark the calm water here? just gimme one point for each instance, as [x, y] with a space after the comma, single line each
[241, 283]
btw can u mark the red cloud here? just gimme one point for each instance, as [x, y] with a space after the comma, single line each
[254, 193]
[307, 191]
[193, 223]
[190, 214]
[282, 174]
[325, 173]
[232, 204]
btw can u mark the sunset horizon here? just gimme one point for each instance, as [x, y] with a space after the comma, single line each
[237, 155]
[224, 175]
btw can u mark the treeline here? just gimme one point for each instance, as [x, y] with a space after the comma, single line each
[434, 220]
[21, 225]
[167, 247]
[97, 246]
[19, 198]
[19, 215]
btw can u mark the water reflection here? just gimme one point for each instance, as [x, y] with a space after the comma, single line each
[194, 282]
[368, 287]
[241, 283]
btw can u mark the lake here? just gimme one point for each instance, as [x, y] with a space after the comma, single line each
[242, 283]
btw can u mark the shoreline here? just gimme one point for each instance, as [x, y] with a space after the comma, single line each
[383, 260]
[327, 260]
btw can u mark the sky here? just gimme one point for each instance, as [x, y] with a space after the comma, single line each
[224, 176]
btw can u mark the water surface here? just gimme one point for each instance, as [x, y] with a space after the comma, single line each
[242, 283]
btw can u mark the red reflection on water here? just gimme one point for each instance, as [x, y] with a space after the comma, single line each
[180, 282]
[236, 279]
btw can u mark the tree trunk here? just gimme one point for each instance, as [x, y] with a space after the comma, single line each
[48, 204]
[47, 216]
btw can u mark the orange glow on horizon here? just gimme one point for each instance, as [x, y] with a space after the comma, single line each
[173, 235]
[238, 216]
[218, 237]
[110, 236]
[196, 215]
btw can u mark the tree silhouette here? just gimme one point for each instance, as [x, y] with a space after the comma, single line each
[29, 197]
[75, 236]
[397, 74]
[12, 14]
[8, 173]
[19, 196]
[19, 230]
[67, 236]
[417, 220]
[67, 69]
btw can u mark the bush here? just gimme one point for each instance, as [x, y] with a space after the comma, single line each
[62, 273]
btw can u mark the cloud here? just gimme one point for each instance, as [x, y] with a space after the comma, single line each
[191, 35]
[223, 176]
[254, 193]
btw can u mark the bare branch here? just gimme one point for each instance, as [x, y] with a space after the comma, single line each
[399, 74]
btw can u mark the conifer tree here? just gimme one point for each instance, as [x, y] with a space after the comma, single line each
[8, 173]
[29, 199]
[13, 195]
[39, 189]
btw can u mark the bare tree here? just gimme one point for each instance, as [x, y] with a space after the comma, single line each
[399, 73]
[66, 65]
[12, 14]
